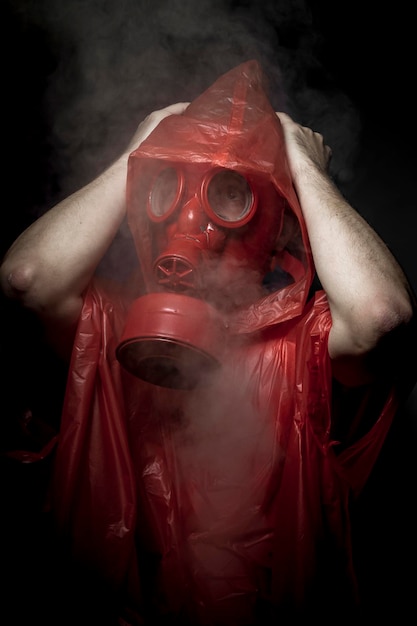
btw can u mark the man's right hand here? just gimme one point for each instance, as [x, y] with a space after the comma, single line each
[151, 121]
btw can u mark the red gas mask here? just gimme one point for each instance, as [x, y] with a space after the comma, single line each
[206, 195]
[211, 233]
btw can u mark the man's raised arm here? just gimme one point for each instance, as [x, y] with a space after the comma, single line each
[371, 301]
[51, 263]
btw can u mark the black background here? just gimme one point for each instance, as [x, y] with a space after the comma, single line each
[78, 77]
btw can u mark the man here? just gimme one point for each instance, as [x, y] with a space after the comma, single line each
[219, 415]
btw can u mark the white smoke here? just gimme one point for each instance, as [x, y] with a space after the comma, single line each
[114, 62]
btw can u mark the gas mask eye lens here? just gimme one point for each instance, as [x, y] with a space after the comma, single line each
[165, 192]
[229, 196]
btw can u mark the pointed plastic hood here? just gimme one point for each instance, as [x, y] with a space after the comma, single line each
[233, 125]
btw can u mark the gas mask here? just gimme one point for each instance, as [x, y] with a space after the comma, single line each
[210, 235]
[206, 195]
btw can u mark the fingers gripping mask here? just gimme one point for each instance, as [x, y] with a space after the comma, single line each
[205, 222]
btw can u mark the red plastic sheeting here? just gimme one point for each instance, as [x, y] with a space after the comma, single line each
[228, 503]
